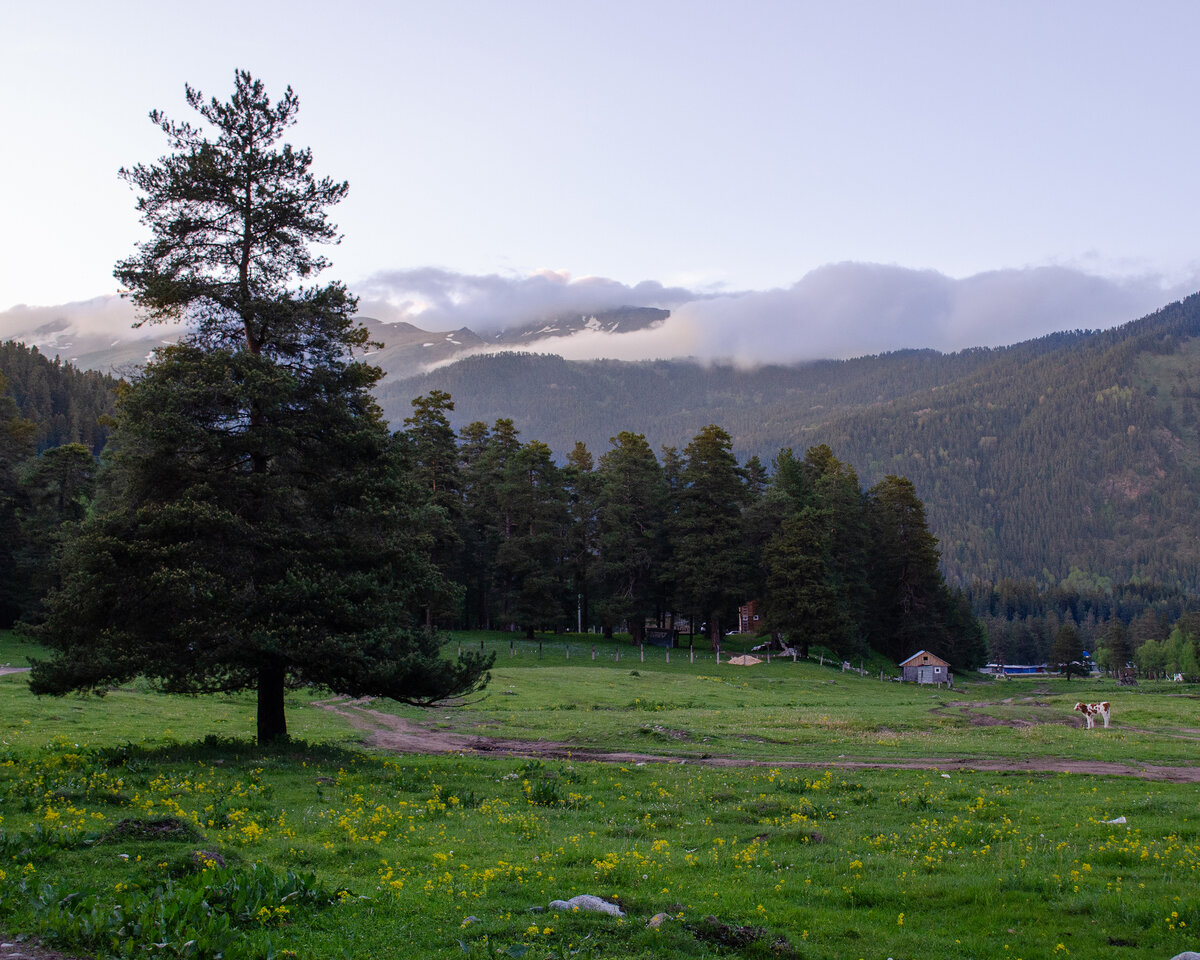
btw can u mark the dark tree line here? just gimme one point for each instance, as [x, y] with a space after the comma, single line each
[66, 405]
[626, 539]
[1074, 451]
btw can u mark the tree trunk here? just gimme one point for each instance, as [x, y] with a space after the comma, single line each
[714, 632]
[272, 723]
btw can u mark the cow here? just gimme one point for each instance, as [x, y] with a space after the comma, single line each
[1091, 710]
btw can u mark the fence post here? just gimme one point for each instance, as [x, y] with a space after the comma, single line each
[593, 651]
[568, 646]
[618, 656]
[668, 654]
[642, 652]
[691, 654]
[539, 649]
[512, 647]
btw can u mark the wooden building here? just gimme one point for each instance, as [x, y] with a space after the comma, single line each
[925, 667]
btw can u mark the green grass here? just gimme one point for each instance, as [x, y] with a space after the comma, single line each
[805, 711]
[111, 808]
[15, 650]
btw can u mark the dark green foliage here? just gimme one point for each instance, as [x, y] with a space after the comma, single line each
[431, 459]
[800, 599]
[816, 590]
[16, 443]
[219, 912]
[256, 527]
[582, 485]
[631, 509]
[909, 592]
[67, 405]
[206, 574]
[1073, 452]
[57, 488]
[712, 568]
[1114, 650]
[1067, 655]
[530, 577]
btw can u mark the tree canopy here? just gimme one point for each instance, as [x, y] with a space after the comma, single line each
[255, 527]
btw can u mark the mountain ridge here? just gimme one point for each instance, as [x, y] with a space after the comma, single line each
[1073, 455]
[1069, 457]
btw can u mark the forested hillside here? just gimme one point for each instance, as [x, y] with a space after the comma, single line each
[1071, 456]
[64, 403]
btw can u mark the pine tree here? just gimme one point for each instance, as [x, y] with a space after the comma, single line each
[16, 443]
[712, 559]
[907, 583]
[1067, 654]
[58, 486]
[432, 459]
[630, 515]
[256, 528]
[530, 571]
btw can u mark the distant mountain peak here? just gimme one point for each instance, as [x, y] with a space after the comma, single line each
[617, 320]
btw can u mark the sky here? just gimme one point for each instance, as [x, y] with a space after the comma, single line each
[792, 179]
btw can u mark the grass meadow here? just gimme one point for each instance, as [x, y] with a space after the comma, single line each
[144, 825]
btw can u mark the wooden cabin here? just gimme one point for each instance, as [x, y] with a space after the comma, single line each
[925, 667]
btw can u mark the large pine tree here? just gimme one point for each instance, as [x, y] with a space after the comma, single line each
[712, 558]
[255, 529]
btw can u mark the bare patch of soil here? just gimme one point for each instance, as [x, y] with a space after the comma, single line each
[397, 735]
[10, 949]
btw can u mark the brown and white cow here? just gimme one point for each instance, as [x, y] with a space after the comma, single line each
[1091, 710]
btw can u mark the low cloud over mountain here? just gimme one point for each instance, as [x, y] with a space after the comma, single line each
[839, 310]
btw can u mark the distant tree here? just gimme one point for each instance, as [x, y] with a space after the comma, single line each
[432, 459]
[1185, 635]
[1114, 652]
[529, 570]
[908, 587]
[66, 405]
[581, 483]
[801, 599]
[1067, 654]
[484, 456]
[16, 444]
[58, 486]
[712, 559]
[966, 638]
[812, 560]
[631, 508]
[256, 528]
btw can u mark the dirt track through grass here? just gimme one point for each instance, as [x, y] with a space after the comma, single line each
[398, 735]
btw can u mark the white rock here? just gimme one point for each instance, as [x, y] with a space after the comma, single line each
[585, 901]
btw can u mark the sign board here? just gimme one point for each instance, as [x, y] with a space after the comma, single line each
[660, 638]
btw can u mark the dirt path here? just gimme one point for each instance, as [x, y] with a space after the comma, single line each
[10, 949]
[397, 735]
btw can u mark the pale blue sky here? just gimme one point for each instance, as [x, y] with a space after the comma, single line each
[697, 144]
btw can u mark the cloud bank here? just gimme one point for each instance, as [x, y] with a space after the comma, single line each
[437, 299]
[836, 311]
